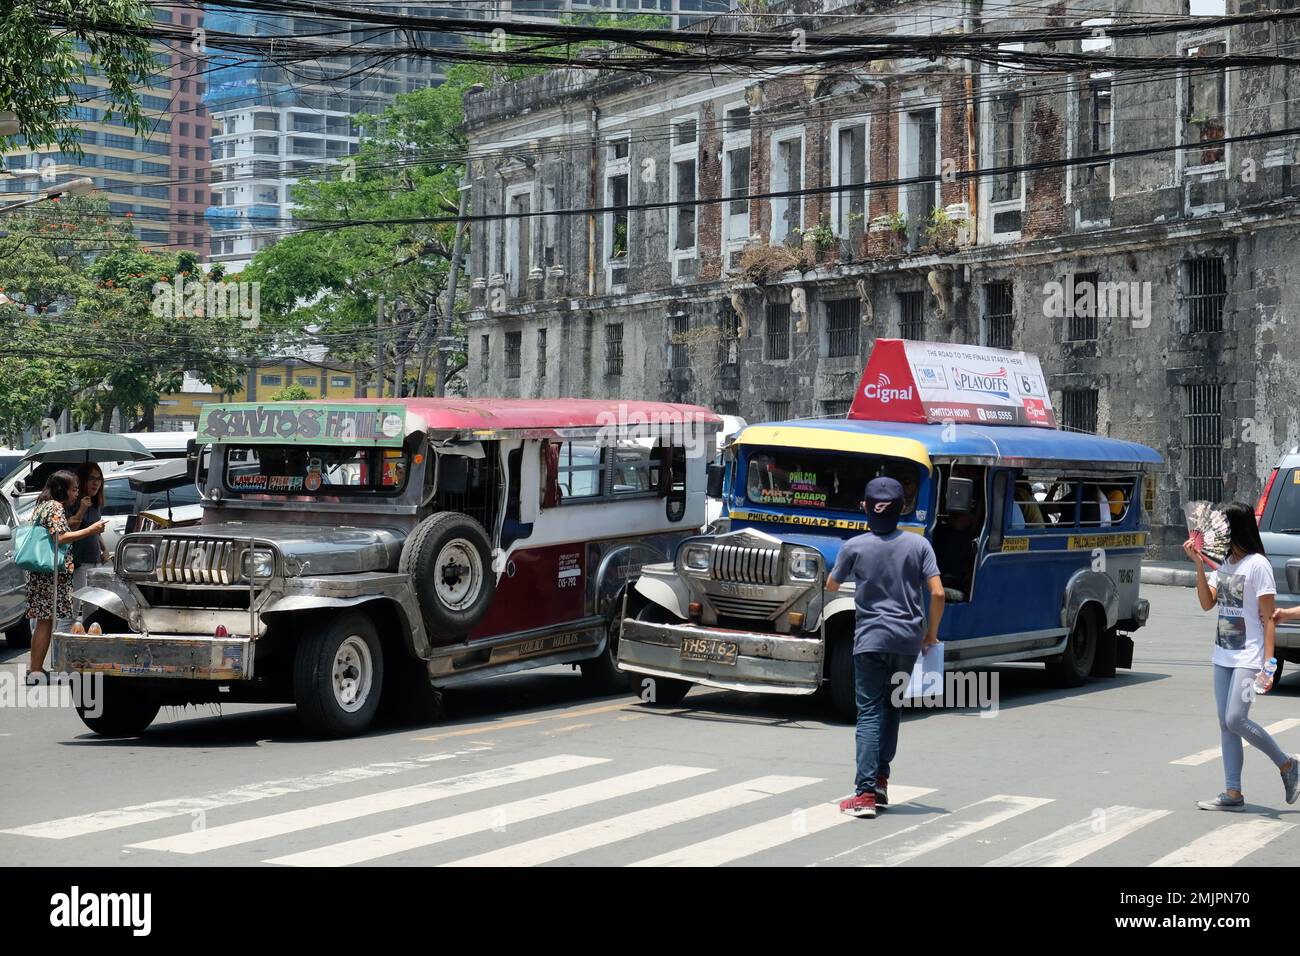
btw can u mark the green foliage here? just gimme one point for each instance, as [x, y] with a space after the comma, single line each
[292, 393]
[822, 236]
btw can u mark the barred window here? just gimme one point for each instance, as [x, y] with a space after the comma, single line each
[777, 345]
[1205, 289]
[680, 340]
[1079, 410]
[911, 315]
[614, 349]
[485, 356]
[777, 411]
[836, 408]
[1203, 435]
[541, 353]
[843, 319]
[1082, 324]
[998, 320]
[514, 345]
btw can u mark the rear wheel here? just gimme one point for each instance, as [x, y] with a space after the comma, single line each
[1104, 664]
[601, 673]
[1080, 653]
[338, 674]
[654, 690]
[19, 635]
[843, 687]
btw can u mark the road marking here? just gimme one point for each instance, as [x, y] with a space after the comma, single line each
[306, 818]
[604, 832]
[526, 721]
[631, 717]
[421, 835]
[941, 831]
[565, 730]
[102, 820]
[770, 833]
[1082, 838]
[1205, 756]
[1227, 845]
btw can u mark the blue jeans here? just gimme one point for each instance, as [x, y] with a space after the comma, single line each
[878, 718]
[1233, 697]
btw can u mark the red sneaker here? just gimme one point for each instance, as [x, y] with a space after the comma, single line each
[882, 791]
[863, 805]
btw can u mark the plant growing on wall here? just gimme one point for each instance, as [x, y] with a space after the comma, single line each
[942, 230]
[822, 236]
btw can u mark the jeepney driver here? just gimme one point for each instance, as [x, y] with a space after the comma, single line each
[891, 571]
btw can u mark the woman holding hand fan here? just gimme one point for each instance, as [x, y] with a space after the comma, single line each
[1242, 589]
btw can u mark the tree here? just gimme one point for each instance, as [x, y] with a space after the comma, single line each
[49, 46]
[292, 393]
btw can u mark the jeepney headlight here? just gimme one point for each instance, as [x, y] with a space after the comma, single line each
[804, 564]
[257, 564]
[138, 558]
[697, 557]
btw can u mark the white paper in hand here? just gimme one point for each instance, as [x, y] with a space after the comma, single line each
[927, 674]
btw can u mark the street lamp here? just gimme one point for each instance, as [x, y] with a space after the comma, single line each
[74, 187]
[8, 123]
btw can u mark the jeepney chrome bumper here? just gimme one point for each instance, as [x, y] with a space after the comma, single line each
[765, 663]
[155, 655]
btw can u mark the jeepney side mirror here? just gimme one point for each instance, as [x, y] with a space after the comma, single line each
[192, 455]
[716, 475]
[453, 474]
[960, 496]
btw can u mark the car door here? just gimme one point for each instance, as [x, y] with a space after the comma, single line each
[13, 582]
[1280, 530]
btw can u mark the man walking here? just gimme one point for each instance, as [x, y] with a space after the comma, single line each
[891, 571]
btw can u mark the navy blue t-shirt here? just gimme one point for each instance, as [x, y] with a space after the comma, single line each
[890, 573]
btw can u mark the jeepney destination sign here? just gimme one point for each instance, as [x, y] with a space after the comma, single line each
[274, 423]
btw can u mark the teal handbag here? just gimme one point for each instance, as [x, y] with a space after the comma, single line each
[34, 549]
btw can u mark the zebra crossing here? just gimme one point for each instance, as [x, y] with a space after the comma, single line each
[582, 809]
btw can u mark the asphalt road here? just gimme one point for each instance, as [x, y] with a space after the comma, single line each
[528, 770]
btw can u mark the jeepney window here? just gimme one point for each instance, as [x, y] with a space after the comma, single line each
[822, 481]
[1042, 500]
[1107, 502]
[581, 470]
[313, 472]
[636, 468]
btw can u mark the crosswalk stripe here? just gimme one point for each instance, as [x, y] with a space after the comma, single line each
[1213, 753]
[770, 833]
[1226, 845]
[604, 832]
[421, 835]
[292, 821]
[119, 817]
[1081, 838]
[939, 832]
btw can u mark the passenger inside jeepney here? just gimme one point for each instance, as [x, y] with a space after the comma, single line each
[957, 536]
[905, 474]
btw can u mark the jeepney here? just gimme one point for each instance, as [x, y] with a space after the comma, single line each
[372, 552]
[1039, 534]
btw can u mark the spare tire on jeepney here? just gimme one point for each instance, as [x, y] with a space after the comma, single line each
[449, 559]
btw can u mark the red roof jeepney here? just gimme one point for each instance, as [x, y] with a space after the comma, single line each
[353, 552]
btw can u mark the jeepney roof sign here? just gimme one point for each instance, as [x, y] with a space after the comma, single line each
[304, 423]
[939, 382]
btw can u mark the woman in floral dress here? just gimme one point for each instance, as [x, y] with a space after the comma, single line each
[60, 492]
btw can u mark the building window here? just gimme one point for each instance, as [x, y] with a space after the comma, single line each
[1205, 290]
[787, 176]
[735, 173]
[777, 337]
[271, 380]
[843, 319]
[307, 381]
[911, 315]
[185, 129]
[1091, 185]
[518, 241]
[998, 320]
[182, 195]
[514, 342]
[777, 411]
[919, 152]
[1082, 323]
[1203, 442]
[680, 340]
[550, 225]
[614, 349]
[340, 381]
[1006, 195]
[485, 356]
[541, 353]
[619, 149]
[849, 168]
[1079, 410]
[836, 408]
[617, 178]
[1204, 105]
[681, 223]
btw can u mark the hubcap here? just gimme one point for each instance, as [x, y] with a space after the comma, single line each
[458, 575]
[353, 674]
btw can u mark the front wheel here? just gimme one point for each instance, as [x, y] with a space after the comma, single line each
[338, 675]
[843, 687]
[123, 708]
[1080, 653]
[601, 673]
[654, 690]
[19, 634]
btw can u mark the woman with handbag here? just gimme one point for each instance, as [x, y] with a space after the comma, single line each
[50, 596]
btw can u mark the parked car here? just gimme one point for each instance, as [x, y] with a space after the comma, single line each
[13, 585]
[1278, 513]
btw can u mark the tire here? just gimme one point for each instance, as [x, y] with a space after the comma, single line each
[1277, 675]
[843, 687]
[1080, 653]
[19, 635]
[601, 673]
[338, 674]
[653, 690]
[409, 697]
[125, 710]
[1103, 665]
[449, 560]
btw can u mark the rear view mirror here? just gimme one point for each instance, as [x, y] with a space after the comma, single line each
[716, 475]
[453, 474]
[960, 496]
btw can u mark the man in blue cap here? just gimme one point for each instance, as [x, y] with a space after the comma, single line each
[891, 572]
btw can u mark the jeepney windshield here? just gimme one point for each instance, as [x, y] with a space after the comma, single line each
[313, 472]
[822, 481]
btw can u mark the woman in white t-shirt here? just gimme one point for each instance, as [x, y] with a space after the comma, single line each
[1243, 591]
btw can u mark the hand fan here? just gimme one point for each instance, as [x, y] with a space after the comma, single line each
[1208, 530]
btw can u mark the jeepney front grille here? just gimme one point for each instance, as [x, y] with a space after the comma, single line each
[234, 599]
[733, 562]
[750, 608]
[197, 561]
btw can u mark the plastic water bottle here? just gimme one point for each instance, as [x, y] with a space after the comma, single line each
[1270, 668]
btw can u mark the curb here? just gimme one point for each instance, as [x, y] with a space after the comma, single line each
[1170, 577]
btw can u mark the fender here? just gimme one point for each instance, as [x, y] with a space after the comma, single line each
[614, 574]
[417, 640]
[1088, 586]
[660, 584]
[104, 599]
[836, 602]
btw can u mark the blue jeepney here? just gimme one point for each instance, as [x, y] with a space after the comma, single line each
[1039, 535]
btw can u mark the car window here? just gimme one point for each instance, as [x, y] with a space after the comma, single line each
[1286, 510]
[6, 513]
[119, 499]
[186, 494]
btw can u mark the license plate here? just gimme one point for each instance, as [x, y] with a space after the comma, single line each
[709, 649]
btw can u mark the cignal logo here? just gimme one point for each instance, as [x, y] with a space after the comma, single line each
[988, 383]
[76, 909]
[880, 391]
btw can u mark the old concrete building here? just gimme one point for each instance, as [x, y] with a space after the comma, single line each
[1151, 284]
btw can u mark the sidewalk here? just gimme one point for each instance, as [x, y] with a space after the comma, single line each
[1179, 574]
